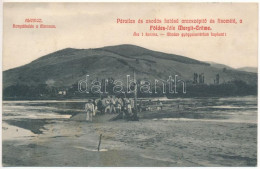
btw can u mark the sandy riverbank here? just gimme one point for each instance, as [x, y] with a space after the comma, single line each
[187, 132]
[145, 143]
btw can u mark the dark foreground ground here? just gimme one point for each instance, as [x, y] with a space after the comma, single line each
[149, 142]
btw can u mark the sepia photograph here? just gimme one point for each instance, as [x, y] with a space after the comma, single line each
[128, 84]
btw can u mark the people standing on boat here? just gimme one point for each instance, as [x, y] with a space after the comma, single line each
[123, 109]
[128, 107]
[107, 105]
[95, 106]
[112, 105]
[132, 102]
[118, 107]
[120, 101]
[120, 111]
[89, 108]
[100, 106]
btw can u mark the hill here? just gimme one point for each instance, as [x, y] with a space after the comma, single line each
[66, 67]
[248, 69]
[218, 65]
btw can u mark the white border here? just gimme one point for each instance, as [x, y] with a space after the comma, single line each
[195, 1]
[174, 1]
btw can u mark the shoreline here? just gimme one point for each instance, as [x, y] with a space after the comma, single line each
[138, 140]
[140, 98]
[188, 132]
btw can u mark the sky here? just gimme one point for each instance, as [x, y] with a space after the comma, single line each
[94, 25]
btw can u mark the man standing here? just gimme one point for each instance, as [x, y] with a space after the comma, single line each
[129, 107]
[107, 105]
[95, 107]
[112, 105]
[89, 107]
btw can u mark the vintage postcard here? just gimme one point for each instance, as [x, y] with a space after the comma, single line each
[129, 84]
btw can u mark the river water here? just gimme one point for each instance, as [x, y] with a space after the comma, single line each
[197, 132]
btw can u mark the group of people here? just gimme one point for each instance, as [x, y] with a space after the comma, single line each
[124, 107]
[109, 105]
